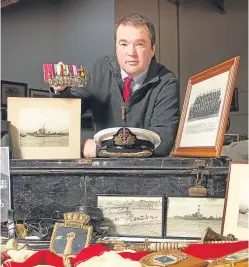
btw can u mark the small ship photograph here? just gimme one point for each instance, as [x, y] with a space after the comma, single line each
[189, 217]
[47, 127]
[133, 216]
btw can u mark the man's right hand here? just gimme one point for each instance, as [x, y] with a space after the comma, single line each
[59, 87]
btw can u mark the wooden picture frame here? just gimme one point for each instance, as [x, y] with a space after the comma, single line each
[45, 128]
[38, 93]
[188, 217]
[79, 237]
[12, 89]
[205, 111]
[236, 208]
[133, 216]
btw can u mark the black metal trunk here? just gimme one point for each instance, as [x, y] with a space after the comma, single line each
[46, 186]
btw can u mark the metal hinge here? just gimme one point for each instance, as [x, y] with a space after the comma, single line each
[198, 189]
[199, 181]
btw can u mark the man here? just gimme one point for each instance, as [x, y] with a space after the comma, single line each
[154, 100]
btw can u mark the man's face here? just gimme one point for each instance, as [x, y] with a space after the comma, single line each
[133, 49]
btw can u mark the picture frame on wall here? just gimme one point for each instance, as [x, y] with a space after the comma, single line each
[38, 93]
[3, 113]
[205, 111]
[236, 209]
[188, 217]
[12, 89]
[133, 216]
[48, 128]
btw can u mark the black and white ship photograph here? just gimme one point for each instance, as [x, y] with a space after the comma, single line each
[133, 215]
[189, 217]
[206, 105]
[47, 127]
[243, 215]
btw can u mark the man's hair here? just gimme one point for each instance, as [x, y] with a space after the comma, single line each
[137, 20]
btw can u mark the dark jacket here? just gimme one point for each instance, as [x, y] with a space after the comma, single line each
[154, 106]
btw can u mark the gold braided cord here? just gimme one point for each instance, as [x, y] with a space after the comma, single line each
[142, 154]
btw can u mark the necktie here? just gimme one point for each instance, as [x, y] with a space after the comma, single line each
[127, 88]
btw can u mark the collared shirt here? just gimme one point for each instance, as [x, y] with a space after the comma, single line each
[137, 80]
[135, 84]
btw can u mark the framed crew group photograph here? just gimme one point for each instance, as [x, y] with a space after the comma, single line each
[205, 111]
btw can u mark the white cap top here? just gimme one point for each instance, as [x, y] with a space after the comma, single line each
[142, 134]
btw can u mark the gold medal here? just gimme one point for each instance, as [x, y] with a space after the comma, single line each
[239, 258]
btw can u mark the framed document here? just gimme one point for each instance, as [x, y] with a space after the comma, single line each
[236, 209]
[205, 111]
[45, 128]
[12, 89]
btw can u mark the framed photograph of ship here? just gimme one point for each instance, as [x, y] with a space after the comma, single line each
[205, 111]
[236, 209]
[189, 216]
[45, 128]
[136, 216]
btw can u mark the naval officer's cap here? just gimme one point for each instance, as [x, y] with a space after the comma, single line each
[126, 142]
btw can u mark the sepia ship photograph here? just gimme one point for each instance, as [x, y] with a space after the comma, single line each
[133, 215]
[47, 127]
[189, 217]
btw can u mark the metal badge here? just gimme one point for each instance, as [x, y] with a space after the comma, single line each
[163, 260]
[236, 257]
[124, 137]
